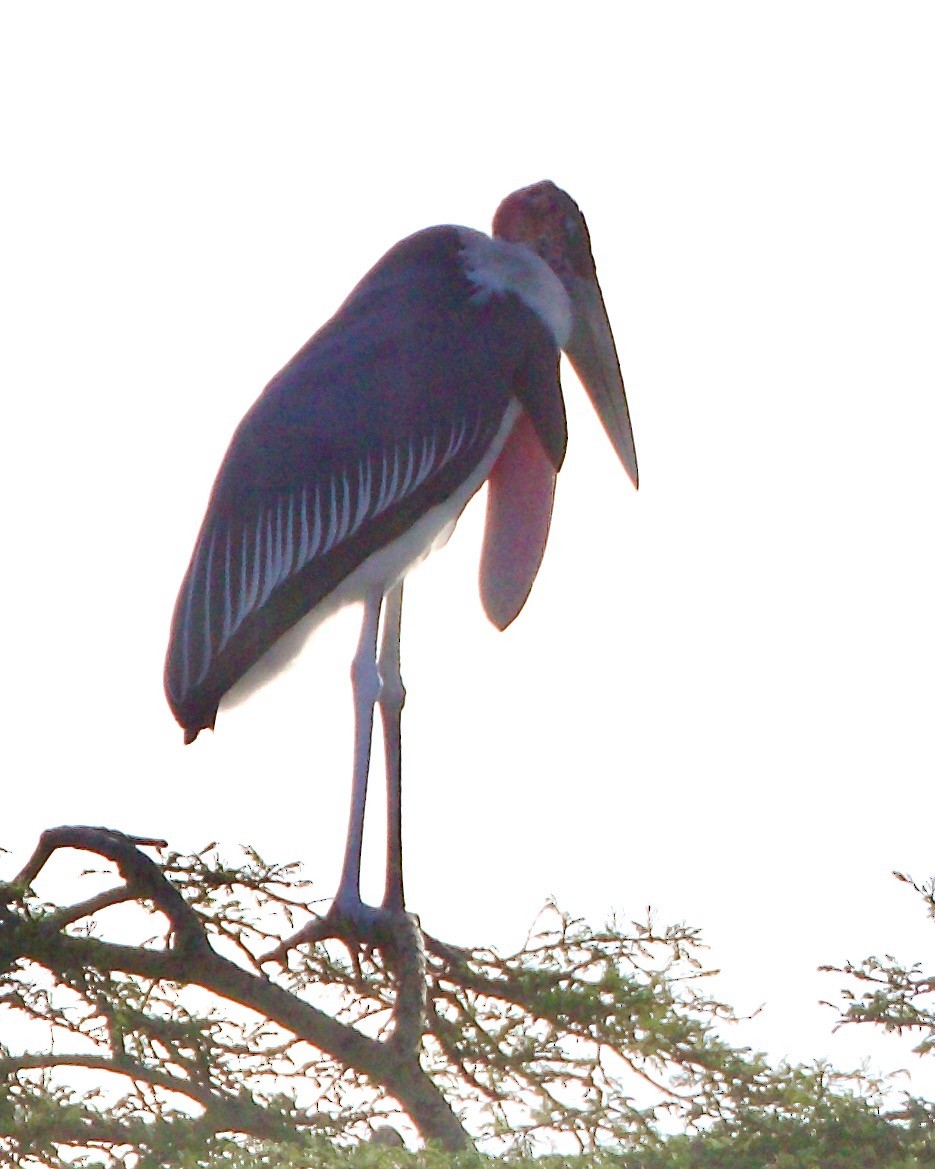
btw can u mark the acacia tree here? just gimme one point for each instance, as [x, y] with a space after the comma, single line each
[896, 996]
[217, 1030]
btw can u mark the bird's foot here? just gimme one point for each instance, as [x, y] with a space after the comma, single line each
[355, 923]
[351, 915]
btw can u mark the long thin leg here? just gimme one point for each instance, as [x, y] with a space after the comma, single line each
[392, 697]
[365, 678]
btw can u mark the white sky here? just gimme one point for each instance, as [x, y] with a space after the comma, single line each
[718, 700]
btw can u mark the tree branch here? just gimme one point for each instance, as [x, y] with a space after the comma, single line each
[142, 875]
[401, 1077]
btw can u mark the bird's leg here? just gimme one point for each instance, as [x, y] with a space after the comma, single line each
[406, 951]
[392, 697]
[365, 678]
[398, 934]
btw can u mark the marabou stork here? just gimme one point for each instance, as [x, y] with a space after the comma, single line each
[439, 373]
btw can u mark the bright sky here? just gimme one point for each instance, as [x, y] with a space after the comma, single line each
[718, 700]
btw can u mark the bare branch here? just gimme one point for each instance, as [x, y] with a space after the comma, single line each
[142, 875]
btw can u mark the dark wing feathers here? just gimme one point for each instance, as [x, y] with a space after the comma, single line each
[380, 417]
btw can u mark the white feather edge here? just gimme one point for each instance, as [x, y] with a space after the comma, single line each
[379, 572]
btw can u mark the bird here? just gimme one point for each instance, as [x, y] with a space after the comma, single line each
[438, 374]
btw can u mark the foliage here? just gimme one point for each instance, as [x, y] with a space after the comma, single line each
[207, 1040]
[898, 998]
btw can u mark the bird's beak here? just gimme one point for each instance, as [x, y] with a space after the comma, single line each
[593, 355]
[547, 219]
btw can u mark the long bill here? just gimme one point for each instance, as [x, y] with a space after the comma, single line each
[593, 355]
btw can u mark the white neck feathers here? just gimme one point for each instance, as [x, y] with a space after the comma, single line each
[496, 266]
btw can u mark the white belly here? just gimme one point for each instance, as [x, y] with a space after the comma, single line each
[378, 573]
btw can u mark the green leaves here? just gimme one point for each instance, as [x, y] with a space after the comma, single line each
[183, 1045]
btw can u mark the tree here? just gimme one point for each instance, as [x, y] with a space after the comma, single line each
[208, 1039]
[898, 997]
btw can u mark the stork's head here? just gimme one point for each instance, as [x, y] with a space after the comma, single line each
[550, 222]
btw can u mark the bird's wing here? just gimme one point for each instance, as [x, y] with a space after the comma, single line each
[378, 419]
[521, 488]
